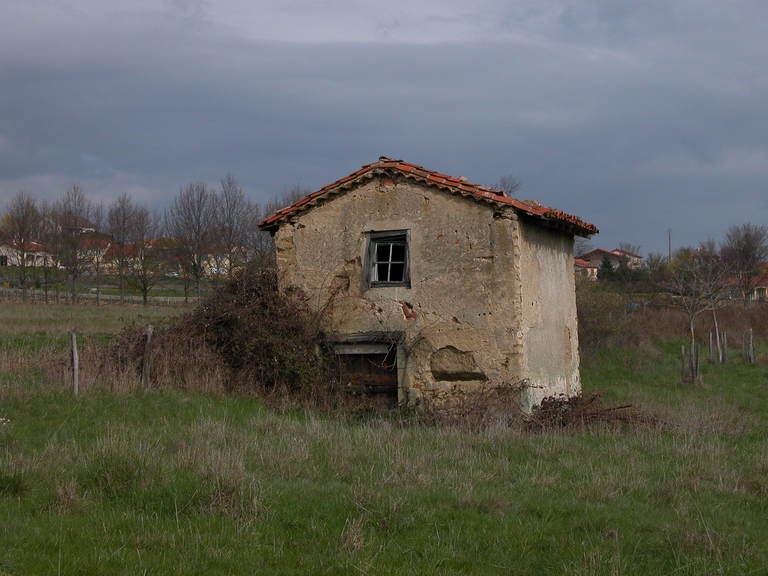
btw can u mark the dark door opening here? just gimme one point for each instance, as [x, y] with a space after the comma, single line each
[369, 370]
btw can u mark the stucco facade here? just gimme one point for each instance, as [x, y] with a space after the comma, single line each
[487, 298]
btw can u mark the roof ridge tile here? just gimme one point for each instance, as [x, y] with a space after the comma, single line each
[442, 181]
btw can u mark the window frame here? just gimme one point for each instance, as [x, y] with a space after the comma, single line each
[391, 237]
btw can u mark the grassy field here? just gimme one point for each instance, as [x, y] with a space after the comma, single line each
[106, 284]
[164, 482]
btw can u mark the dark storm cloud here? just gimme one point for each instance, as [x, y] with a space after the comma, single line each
[637, 118]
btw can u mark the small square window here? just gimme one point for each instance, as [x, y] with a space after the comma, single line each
[388, 258]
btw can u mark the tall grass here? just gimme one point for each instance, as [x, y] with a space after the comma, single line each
[35, 338]
[165, 481]
[180, 482]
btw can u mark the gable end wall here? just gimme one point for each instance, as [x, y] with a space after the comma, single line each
[465, 309]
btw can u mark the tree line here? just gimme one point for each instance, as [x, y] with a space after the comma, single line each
[697, 279]
[204, 234]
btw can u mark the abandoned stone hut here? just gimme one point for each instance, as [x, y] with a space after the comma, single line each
[432, 286]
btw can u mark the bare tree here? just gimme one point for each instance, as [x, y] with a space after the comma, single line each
[145, 266]
[581, 246]
[509, 185]
[20, 225]
[177, 260]
[630, 248]
[51, 237]
[262, 242]
[656, 264]
[97, 246]
[745, 249]
[190, 222]
[235, 219]
[697, 281]
[74, 209]
[285, 198]
[120, 219]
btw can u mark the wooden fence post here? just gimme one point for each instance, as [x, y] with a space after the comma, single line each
[75, 362]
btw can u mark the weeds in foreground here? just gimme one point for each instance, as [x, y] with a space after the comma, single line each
[177, 481]
[246, 338]
[225, 485]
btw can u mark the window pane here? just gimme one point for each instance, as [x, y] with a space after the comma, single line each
[389, 258]
[396, 272]
[398, 253]
[382, 272]
[382, 252]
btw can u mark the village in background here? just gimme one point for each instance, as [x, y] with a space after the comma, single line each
[74, 249]
[735, 268]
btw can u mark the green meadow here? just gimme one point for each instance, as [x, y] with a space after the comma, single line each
[163, 481]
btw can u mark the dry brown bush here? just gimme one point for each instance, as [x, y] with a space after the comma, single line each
[610, 320]
[247, 337]
[557, 412]
[174, 361]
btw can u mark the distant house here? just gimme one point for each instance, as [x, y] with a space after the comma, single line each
[119, 257]
[93, 251]
[758, 290]
[588, 264]
[220, 259]
[433, 287]
[78, 224]
[585, 268]
[35, 254]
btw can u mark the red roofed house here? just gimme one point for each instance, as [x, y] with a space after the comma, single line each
[93, 251]
[588, 264]
[434, 286]
[34, 254]
[585, 268]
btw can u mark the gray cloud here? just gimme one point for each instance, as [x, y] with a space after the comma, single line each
[638, 118]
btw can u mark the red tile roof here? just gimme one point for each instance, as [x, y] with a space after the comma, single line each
[449, 184]
[94, 244]
[579, 263]
[117, 251]
[30, 246]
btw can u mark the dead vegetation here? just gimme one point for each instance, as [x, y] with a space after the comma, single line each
[558, 412]
[610, 320]
[247, 338]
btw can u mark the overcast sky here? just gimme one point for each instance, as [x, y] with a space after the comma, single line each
[639, 117]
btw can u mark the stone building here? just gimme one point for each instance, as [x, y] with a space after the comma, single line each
[432, 286]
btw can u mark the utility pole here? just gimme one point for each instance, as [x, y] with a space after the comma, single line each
[669, 231]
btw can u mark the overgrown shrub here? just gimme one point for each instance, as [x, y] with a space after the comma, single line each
[247, 336]
[177, 358]
[267, 338]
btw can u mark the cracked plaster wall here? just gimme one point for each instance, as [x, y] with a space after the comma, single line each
[466, 281]
[549, 322]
